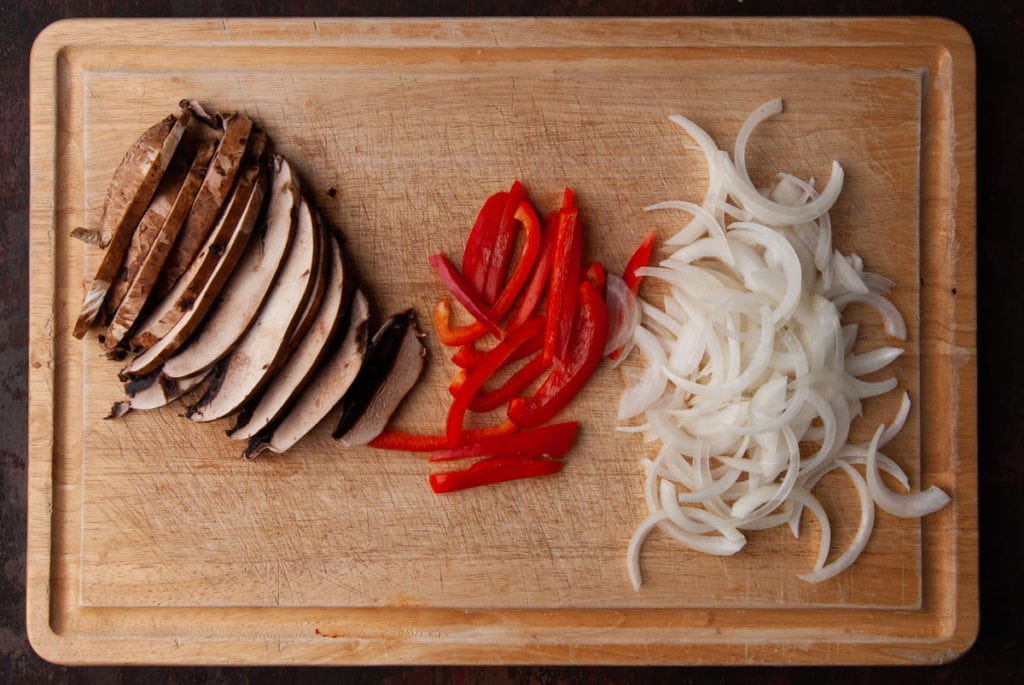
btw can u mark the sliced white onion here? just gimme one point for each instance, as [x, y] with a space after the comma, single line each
[751, 385]
[623, 313]
[860, 540]
[649, 388]
[904, 505]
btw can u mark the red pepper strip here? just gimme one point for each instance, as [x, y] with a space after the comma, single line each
[527, 216]
[497, 472]
[564, 278]
[539, 281]
[457, 383]
[553, 441]
[492, 361]
[469, 356]
[463, 292]
[640, 258]
[500, 255]
[563, 383]
[519, 381]
[568, 198]
[413, 442]
[596, 275]
[481, 239]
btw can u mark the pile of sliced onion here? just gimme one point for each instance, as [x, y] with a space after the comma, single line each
[748, 359]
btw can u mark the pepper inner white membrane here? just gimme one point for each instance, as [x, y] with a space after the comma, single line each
[748, 359]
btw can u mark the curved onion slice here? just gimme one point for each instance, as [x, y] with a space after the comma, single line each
[623, 313]
[750, 385]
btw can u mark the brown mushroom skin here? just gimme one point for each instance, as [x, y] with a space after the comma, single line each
[385, 349]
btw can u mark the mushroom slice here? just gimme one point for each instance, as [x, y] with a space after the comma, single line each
[332, 381]
[130, 191]
[147, 272]
[245, 291]
[392, 367]
[144, 236]
[212, 194]
[181, 298]
[164, 347]
[154, 390]
[264, 347]
[307, 357]
[311, 306]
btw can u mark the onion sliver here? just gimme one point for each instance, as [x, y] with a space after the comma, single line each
[652, 384]
[750, 386]
[623, 313]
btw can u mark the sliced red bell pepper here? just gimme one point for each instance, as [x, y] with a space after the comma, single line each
[531, 244]
[492, 361]
[563, 383]
[469, 355]
[552, 441]
[456, 385]
[519, 381]
[596, 275]
[564, 279]
[498, 471]
[481, 241]
[414, 442]
[464, 293]
[539, 280]
[640, 258]
[500, 255]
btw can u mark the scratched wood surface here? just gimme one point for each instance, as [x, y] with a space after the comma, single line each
[150, 540]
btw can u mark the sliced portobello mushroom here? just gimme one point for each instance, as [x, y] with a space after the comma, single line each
[303, 362]
[332, 381]
[144, 235]
[246, 290]
[181, 298]
[236, 144]
[154, 390]
[137, 293]
[130, 191]
[193, 315]
[393, 365]
[264, 347]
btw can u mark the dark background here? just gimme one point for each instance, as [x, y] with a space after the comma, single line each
[998, 31]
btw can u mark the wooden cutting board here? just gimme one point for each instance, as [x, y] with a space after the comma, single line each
[151, 541]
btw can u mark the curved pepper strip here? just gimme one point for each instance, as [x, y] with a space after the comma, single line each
[519, 381]
[539, 281]
[639, 259]
[563, 383]
[551, 441]
[415, 442]
[526, 215]
[491, 471]
[481, 239]
[469, 355]
[500, 255]
[463, 292]
[475, 380]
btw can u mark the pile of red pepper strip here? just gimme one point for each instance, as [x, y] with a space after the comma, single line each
[566, 341]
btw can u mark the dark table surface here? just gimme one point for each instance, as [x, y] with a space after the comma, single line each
[998, 31]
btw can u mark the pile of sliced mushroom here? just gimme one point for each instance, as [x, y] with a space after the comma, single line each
[748, 358]
[220, 276]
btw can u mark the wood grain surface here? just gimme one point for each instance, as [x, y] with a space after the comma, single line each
[151, 541]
